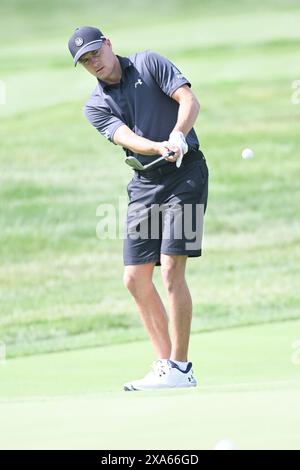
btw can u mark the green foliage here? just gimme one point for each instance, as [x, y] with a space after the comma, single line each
[60, 286]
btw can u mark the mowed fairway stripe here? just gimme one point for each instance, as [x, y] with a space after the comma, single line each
[243, 387]
[250, 396]
[255, 354]
[171, 421]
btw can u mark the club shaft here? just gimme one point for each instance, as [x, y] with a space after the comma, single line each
[168, 154]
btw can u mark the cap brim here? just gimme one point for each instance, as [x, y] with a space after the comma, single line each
[88, 48]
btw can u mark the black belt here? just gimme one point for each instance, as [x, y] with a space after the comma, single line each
[160, 171]
[170, 167]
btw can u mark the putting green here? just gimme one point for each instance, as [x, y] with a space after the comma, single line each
[249, 384]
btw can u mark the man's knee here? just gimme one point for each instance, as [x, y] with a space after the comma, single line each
[137, 280]
[131, 282]
[173, 271]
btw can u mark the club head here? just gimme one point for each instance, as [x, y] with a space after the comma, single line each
[134, 163]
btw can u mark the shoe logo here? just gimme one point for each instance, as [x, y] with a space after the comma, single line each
[139, 82]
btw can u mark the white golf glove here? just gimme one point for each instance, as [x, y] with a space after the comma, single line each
[177, 138]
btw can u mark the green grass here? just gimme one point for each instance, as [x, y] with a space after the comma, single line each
[60, 286]
[248, 392]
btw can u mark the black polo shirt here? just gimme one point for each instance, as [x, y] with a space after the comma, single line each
[142, 100]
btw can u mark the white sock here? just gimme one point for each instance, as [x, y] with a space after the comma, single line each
[182, 365]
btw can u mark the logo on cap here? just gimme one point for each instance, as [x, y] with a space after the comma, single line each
[78, 41]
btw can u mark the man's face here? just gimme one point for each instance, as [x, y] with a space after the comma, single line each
[100, 62]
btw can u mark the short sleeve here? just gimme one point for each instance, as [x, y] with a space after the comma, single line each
[166, 74]
[103, 120]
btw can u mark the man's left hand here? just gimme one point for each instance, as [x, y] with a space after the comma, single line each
[177, 138]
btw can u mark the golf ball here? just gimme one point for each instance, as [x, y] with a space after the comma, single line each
[247, 153]
[225, 444]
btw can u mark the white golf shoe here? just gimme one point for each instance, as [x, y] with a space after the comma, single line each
[164, 374]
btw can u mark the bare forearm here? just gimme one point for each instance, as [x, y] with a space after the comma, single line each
[128, 139]
[187, 114]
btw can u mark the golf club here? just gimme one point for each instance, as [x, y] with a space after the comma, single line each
[136, 165]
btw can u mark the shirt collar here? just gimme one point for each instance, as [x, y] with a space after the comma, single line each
[125, 62]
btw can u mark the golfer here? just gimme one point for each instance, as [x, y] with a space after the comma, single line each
[144, 104]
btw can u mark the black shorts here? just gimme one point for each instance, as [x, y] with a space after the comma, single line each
[165, 211]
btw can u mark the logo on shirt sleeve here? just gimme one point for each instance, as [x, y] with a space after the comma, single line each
[139, 82]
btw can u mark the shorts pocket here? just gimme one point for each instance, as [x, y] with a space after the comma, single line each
[203, 170]
[129, 185]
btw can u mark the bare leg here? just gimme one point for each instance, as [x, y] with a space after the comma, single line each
[138, 280]
[180, 304]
